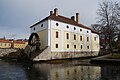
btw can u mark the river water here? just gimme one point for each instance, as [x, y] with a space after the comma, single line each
[69, 70]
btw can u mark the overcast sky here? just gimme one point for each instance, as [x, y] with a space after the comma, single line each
[16, 16]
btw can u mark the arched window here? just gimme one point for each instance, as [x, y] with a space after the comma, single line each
[74, 28]
[80, 38]
[56, 45]
[67, 35]
[81, 46]
[87, 47]
[87, 38]
[94, 38]
[75, 46]
[41, 25]
[74, 37]
[67, 45]
[56, 34]
[34, 28]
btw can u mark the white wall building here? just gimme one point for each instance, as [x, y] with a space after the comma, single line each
[66, 37]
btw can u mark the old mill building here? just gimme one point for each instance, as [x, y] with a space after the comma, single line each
[61, 37]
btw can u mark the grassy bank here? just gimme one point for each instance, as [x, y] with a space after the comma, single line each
[114, 56]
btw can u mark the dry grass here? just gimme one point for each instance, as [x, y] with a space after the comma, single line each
[114, 56]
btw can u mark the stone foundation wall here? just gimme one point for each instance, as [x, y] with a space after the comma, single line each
[4, 52]
[47, 55]
[64, 55]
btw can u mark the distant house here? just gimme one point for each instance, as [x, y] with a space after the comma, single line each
[5, 43]
[20, 43]
[11, 43]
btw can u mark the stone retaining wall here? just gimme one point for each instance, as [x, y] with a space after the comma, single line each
[4, 52]
[47, 55]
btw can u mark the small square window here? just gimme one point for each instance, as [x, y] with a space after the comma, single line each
[74, 28]
[56, 45]
[57, 24]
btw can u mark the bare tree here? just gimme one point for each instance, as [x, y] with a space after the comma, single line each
[108, 23]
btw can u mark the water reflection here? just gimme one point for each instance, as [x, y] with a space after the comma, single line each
[65, 71]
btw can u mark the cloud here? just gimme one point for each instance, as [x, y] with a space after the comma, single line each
[17, 15]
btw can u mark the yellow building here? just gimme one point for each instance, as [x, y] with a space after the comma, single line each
[5, 43]
[19, 44]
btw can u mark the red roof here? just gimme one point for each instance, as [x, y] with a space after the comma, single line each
[4, 41]
[65, 20]
[18, 42]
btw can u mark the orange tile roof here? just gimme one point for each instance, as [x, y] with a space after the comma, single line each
[65, 20]
[4, 41]
[18, 42]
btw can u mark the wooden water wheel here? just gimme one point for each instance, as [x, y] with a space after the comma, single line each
[34, 42]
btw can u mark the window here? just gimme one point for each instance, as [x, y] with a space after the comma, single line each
[57, 24]
[67, 26]
[80, 38]
[80, 29]
[67, 45]
[41, 25]
[94, 38]
[87, 31]
[67, 35]
[75, 46]
[87, 38]
[87, 47]
[9, 44]
[74, 37]
[34, 28]
[56, 45]
[74, 28]
[81, 46]
[5, 44]
[56, 34]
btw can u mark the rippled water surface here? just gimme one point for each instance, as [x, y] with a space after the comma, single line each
[70, 70]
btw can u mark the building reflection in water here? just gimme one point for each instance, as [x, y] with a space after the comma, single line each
[62, 72]
[44, 71]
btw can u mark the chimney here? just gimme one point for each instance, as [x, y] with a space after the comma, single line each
[77, 17]
[51, 12]
[73, 18]
[56, 12]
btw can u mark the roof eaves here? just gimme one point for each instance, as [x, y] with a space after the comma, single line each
[39, 22]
